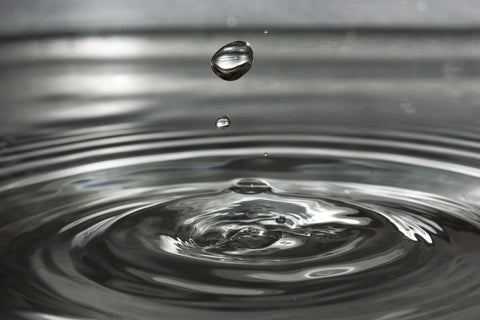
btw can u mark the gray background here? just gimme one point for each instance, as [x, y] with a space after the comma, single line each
[47, 16]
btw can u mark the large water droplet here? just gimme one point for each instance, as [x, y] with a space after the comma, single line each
[232, 61]
[223, 122]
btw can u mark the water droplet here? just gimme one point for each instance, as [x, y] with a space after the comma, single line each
[223, 122]
[266, 32]
[281, 219]
[251, 186]
[232, 61]
[265, 154]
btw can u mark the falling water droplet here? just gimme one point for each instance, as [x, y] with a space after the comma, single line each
[265, 154]
[223, 122]
[232, 61]
[281, 219]
[266, 32]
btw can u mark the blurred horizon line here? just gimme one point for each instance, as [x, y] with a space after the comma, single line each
[370, 30]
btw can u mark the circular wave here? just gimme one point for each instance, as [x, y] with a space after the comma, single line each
[149, 225]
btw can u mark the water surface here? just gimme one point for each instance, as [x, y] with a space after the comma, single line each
[346, 187]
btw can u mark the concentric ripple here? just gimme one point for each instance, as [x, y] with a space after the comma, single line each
[150, 225]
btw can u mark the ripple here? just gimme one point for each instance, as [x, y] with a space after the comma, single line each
[150, 225]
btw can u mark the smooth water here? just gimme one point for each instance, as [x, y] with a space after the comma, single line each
[324, 199]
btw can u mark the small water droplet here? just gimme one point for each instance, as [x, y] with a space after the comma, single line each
[232, 61]
[223, 122]
[250, 186]
[265, 154]
[281, 219]
[266, 32]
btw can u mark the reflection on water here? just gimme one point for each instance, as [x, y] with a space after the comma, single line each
[315, 79]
